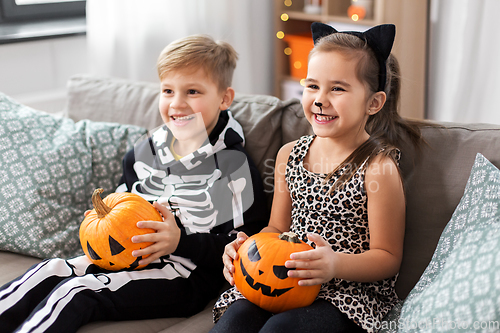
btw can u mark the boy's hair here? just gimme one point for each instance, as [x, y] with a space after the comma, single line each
[217, 58]
[387, 129]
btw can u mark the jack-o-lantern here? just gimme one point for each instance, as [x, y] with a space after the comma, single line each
[106, 232]
[261, 276]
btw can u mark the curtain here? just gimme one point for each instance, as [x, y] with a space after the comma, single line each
[464, 61]
[125, 37]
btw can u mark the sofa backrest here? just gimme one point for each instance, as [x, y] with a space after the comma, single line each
[434, 180]
[435, 184]
[113, 100]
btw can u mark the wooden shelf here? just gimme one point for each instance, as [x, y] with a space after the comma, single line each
[410, 45]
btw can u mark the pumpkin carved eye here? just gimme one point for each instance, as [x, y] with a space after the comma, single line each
[281, 272]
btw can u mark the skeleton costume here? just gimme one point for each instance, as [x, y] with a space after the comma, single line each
[213, 192]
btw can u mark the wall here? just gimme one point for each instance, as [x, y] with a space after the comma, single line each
[35, 72]
[410, 48]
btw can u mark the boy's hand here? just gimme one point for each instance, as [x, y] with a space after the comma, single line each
[231, 254]
[165, 239]
[316, 266]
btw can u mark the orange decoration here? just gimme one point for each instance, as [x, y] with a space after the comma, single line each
[356, 12]
[106, 231]
[261, 276]
[300, 47]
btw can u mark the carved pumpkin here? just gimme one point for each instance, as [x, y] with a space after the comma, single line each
[261, 276]
[106, 231]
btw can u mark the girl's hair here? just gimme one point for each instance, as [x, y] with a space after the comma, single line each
[387, 129]
[217, 58]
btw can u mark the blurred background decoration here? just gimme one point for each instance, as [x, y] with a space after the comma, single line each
[448, 49]
[360, 9]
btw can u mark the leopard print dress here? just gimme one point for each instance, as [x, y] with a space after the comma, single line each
[341, 218]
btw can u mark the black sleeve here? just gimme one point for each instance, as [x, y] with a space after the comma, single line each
[128, 177]
[207, 248]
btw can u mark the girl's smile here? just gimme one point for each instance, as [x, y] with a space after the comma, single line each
[323, 118]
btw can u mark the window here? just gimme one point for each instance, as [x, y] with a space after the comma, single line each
[35, 10]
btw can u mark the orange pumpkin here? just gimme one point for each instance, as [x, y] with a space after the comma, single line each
[261, 276]
[106, 232]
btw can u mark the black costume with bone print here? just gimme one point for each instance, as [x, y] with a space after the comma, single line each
[220, 191]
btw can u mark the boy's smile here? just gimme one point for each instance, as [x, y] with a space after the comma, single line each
[190, 104]
[181, 120]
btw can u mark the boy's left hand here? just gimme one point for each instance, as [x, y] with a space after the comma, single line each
[316, 266]
[165, 239]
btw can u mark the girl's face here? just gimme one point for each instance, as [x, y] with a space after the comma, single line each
[332, 81]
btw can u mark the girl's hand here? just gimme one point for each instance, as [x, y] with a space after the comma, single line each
[87, 212]
[165, 239]
[316, 266]
[230, 254]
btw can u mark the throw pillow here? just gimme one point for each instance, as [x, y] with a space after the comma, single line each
[49, 167]
[458, 287]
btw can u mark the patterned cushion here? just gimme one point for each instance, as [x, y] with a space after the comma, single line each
[49, 167]
[458, 286]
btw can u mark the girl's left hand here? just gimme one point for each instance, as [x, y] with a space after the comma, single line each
[165, 239]
[316, 266]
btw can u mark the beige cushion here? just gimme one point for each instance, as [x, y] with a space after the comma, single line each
[260, 116]
[113, 100]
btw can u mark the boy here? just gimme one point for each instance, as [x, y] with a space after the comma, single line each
[200, 179]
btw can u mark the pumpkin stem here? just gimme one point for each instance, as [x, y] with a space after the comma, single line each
[289, 237]
[99, 205]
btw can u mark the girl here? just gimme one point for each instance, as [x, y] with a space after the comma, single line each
[340, 190]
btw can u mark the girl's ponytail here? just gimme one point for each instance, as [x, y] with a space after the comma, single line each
[387, 125]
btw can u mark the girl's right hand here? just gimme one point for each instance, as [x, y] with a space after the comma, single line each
[231, 254]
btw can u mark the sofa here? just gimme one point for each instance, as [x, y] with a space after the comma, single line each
[103, 118]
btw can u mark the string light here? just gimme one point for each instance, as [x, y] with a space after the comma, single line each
[280, 34]
[287, 51]
[302, 82]
[356, 13]
[288, 3]
[284, 17]
[297, 64]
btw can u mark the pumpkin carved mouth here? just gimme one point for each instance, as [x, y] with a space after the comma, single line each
[265, 289]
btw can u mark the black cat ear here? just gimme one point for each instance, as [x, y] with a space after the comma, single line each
[320, 30]
[381, 38]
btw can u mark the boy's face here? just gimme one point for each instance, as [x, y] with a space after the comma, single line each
[190, 103]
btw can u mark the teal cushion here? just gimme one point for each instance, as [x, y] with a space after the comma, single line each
[460, 284]
[49, 167]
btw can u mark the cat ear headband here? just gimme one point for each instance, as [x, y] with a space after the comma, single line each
[379, 38]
